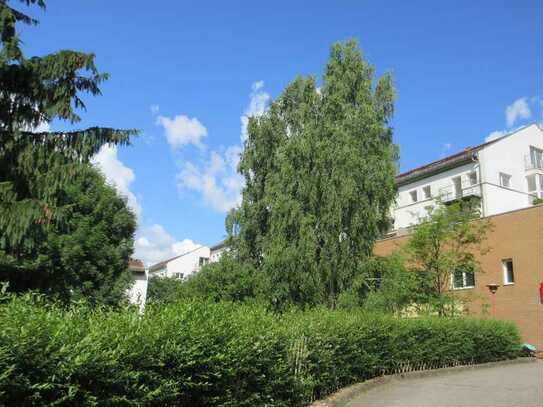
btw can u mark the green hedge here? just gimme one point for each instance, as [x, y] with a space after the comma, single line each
[202, 354]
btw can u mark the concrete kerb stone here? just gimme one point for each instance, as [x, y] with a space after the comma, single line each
[343, 396]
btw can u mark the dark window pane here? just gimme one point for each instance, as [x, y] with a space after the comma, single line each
[470, 279]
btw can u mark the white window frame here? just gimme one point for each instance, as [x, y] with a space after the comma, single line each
[414, 196]
[464, 279]
[507, 177]
[536, 157]
[473, 179]
[504, 268]
[538, 181]
[427, 192]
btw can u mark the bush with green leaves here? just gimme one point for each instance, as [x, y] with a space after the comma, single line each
[225, 280]
[202, 353]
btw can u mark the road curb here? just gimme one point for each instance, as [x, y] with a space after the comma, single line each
[341, 397]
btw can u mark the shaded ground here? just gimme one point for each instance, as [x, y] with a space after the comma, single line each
[500, 386]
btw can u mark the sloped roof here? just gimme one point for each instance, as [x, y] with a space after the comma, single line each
[219, 245]
[136, 265]
[452, 161]
[443, 164]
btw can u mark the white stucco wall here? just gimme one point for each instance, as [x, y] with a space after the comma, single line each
[216, 254]
[508, 156]
[137, 293]
[408, 213]
[186, 264]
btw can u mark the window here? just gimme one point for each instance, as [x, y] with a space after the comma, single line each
[463, 278]
[508, 273]
[414, 197]
[203, 261]
[178, 276]
[535, 186]
[457, 183]
[427, 191]
[472, 177]
[536, 157]
[505, 180]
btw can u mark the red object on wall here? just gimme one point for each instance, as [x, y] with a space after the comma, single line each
[541, 292]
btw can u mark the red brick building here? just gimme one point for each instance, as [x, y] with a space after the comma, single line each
[514, 262]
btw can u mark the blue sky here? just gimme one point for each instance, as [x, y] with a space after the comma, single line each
[185, 73]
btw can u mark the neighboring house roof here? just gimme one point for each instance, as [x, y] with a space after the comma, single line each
[452, 161]
[162, 264]
[218, 246]
[136, 265]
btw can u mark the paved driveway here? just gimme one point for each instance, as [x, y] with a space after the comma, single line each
[510, 385]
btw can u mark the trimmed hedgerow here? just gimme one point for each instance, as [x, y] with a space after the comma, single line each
[208, 354]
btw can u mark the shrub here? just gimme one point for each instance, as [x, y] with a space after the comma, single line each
[217, 354]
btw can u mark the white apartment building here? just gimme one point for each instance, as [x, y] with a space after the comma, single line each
[217, 251]
[503, 174]
[183, 265]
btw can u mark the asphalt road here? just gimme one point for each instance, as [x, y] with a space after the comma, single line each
[510, 385]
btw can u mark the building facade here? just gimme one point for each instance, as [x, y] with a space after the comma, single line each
[503, 175]
[514, 263]
[183, 265]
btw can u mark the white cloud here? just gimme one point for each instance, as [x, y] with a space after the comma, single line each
[154, 244]
[154, 109]
[258, 103]
[218, 181]
[182, 130]
[519, 109]
[117, 174]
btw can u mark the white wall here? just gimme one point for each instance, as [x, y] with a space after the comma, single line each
[137, 293]
[215, 255]
[186, 264]
[407, 213]
[508, 156]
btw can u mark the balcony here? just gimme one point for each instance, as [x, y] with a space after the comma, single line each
[532, 162]
[453, 192]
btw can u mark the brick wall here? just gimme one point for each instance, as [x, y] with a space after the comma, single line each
[517, 235]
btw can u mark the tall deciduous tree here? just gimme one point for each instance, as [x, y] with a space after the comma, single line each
[445, 246]
[319, 168]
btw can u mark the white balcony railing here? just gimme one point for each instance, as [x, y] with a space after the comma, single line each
[532, 163]
[452, 192]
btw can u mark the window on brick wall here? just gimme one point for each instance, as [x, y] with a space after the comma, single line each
[463, 278]
[508, 272]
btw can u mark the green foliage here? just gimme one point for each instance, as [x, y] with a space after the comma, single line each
[442, 245]
[537, 201]
[208, 354]
[34, 167]
[225, 280]
[397, 287]
[164, 290]
[85, 256]
[319, 169]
